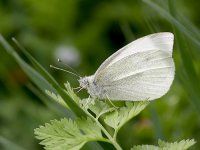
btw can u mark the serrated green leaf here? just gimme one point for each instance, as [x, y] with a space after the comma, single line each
[100, 108]
[68, 134]
[86, 103]
[112, 119]
[56, 98]
[120, 116]
[71, 93]
[57, 135]
[145, 147]
[182, 145]
[133, 110]
[89, 127]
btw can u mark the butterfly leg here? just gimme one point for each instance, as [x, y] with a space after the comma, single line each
[111, 102]
[79, 90]
[76, 88]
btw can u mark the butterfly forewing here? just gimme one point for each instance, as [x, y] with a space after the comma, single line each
[162, 41]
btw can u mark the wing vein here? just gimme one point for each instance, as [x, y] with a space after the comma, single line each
[141, 71]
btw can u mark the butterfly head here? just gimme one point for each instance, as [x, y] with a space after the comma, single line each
[91, 86]
[84, 82]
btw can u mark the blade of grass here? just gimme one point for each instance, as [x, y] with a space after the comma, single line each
[52, 105]
[189, 76]
[8, 145]
[156, 121]
[40, 69]
[193, 36]
[34, 75]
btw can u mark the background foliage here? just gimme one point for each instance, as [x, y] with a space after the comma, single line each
[83, 33]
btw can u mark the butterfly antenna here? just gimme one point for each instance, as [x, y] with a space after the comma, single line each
[60, 61]
[65, 71]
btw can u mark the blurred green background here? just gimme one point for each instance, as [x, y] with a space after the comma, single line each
[83, 33]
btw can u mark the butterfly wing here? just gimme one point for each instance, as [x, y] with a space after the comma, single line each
[144, 69]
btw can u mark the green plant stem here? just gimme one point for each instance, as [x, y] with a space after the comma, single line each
[115, 135]
[111, 139]
[108, 128]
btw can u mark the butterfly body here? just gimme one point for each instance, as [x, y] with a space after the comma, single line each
[92, 88]
[143, 69]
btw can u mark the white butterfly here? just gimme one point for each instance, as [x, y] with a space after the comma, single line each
[143, 69]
